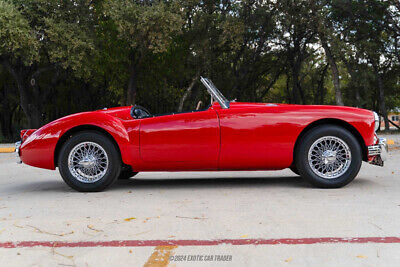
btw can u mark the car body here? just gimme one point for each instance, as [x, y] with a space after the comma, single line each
[225, 136]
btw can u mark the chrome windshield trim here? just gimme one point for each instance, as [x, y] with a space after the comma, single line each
[215, 93]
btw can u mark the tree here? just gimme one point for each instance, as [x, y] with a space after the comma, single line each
[329, 40]
[363, 28]
[39, 36]
[18, 50]
[296, 32]
[62, 57]
[145, 27]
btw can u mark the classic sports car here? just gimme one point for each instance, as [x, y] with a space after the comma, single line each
[323, 144]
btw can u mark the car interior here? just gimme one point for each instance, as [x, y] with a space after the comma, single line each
[139, 112]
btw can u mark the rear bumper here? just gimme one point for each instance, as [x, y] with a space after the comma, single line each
[377, 154]
[17, 146]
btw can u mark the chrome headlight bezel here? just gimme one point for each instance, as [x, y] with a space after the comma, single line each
[376, 117]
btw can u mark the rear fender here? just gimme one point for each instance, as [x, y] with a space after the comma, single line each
[41, 147]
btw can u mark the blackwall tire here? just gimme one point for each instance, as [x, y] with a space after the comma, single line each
[328, 156]
[126, 174]
[295, 170]
[89, 162]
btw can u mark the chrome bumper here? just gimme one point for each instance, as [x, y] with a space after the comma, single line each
[17, 146]
[378, 152]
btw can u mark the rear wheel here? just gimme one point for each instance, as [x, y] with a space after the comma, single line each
[328, 156]
[89, 162]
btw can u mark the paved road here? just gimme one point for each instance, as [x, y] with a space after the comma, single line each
[268, 210]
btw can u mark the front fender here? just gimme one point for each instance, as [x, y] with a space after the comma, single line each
[39, 148]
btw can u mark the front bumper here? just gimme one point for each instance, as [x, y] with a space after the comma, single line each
[17, 146]
[377, 154]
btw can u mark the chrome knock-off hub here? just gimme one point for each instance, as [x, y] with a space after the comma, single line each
[88, 162]
[329, 157]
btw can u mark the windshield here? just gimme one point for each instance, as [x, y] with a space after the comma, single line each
[215, 93]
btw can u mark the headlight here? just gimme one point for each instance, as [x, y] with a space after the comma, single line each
[377, 122]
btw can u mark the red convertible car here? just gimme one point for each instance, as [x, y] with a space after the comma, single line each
[324, 144]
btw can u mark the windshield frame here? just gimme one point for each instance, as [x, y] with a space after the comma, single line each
[215, 93]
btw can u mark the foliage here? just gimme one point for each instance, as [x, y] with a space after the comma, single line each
[61, 57]
[16, 36]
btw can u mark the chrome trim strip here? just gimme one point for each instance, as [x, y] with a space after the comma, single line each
[215, 93]
[384, 148]
[376, 121]
[374, 150]
[17, 146]
[378, 152]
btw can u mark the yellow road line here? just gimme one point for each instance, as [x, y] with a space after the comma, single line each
[7, 149]
[160, 256]
[390, 142]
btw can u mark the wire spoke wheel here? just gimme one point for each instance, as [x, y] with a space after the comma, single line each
[329, 157]
[88, 162]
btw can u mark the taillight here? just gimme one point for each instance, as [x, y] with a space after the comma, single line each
[22, 134]
[26, 133]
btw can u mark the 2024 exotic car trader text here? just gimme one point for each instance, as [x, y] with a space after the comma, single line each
[323, 144]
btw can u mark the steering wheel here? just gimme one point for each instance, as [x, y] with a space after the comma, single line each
[199, 105]
[139, 112]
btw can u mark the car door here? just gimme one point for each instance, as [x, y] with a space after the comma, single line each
[256, 137]
[184, 141]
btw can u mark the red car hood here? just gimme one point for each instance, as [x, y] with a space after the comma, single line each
[295, 106]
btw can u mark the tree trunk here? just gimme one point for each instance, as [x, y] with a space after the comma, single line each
[358, 98]
[335, 72]
[295, 84]
[131, 91]
[6, 113]
[272, 83]
[295, 60]
[353, 76]
[289, 96]
[319, 96]
[9, 123]
[188, 91]
[132, 84]
[5, 122]
[31, 111]
[382, 102]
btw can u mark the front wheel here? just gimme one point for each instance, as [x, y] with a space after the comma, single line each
[89, 162]
[126, 174]
[294, 169]
[328, 156]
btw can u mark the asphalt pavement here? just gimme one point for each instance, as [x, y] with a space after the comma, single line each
[202, 219]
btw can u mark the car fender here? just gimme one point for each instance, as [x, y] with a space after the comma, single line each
[39, 149]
